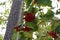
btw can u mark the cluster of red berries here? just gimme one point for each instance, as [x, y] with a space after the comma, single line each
[24, 28]
[53, 34]
[29, 17]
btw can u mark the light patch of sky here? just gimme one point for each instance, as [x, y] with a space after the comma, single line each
[2, 1]
[2, 31]
[3, 8]
[56, 6]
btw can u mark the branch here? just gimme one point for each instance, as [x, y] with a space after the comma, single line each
[14, 17]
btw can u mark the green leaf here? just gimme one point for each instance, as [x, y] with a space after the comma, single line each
[41, 38]
[35, 10]
[28, 2]
[58, 11]
[22, 36]
[57, 29]
[48, 3]
[1, 37]
[49, 38]
[32, 25]
[48, 27]
[48, 16]
[28, 35]
[14, 36]
[30, 8]
[43, 2]
[54, 24]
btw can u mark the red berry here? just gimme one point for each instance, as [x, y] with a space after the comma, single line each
[53, 34]
[29, 17]
[17, 28]
[26, 29]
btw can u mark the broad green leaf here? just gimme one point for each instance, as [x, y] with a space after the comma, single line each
[30, 8]
[35, 10]
[43, 2]
[57, 29]
[49, 38]
[22, 36]
[48, 27]
[28, 2]
[54, 24]
[32, 25]
[14, 36]
[41, 38]
[1, 37]
[28, 35]
[48, 16]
